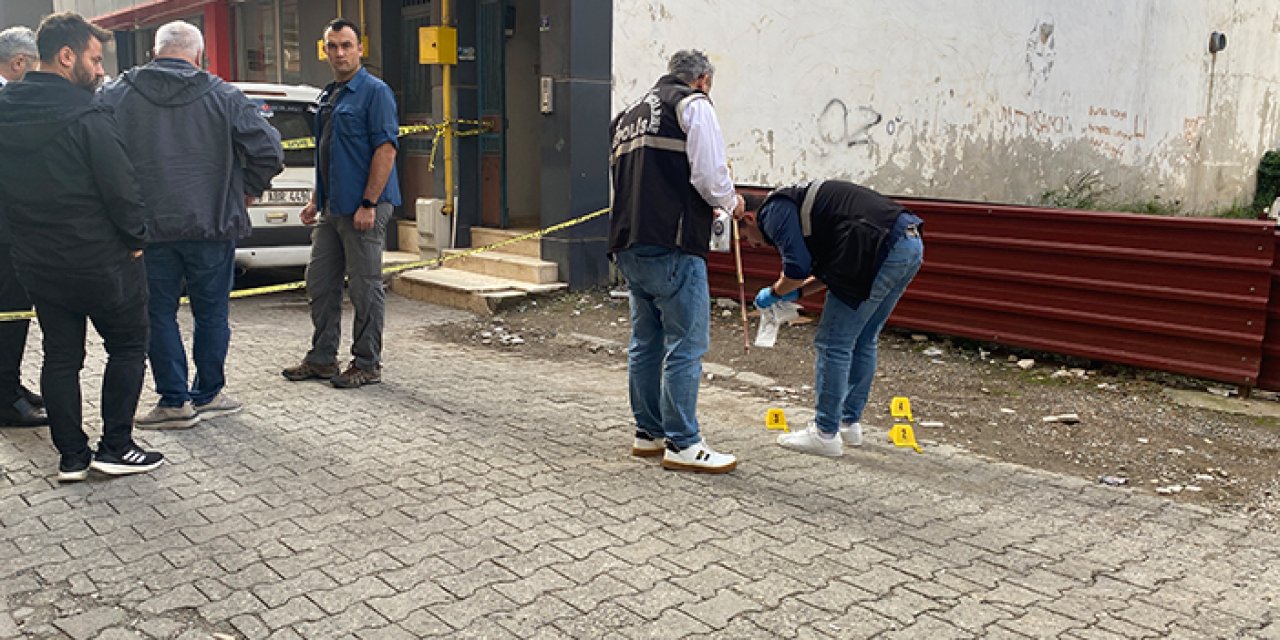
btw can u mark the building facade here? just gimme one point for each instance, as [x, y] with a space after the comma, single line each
[1132, 101]
[534, 166]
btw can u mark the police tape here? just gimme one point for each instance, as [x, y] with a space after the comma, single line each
[390, 270]
[438, 130]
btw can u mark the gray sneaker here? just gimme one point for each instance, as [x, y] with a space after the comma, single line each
[221, 405]
[162, 417]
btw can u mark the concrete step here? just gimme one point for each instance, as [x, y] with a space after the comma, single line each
[502, 264]
[478, 293]
[481, 236]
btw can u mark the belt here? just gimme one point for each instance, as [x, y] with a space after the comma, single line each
[912, 231]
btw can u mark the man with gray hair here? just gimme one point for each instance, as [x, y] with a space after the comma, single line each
[669, 173]
[19, 406]
[202, 151]
[17, 53]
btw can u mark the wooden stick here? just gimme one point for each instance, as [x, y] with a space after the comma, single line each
[742, 291]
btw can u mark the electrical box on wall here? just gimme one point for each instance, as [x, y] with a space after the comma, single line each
[364, 49]
[437, 45]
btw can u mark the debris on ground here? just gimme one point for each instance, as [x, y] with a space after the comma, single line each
[1113, 481]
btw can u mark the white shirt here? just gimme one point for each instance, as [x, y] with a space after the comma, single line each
[707, 163]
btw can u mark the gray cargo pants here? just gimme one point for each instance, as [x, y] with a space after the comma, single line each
[338, 250]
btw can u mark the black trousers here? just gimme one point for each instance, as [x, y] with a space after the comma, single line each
[13, 334]
[114, 298]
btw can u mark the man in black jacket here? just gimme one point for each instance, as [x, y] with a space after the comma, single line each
[72, 203]
[19, 407]
[864, 249]
[202, 150]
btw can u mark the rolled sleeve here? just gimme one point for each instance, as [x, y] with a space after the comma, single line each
[384, 125]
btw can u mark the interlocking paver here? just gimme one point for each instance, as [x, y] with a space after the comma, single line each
[485, 494]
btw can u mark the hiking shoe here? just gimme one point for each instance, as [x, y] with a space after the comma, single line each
[355, 376]
[74, 468]
[311, 371]
[130, 461]
[809, 441]
[646, 446]
[851, 433]
[162, 417]
[698, 458]
[221, 405]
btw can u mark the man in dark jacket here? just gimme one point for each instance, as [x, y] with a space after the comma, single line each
[865, 249]
[19, 407]
[73, 206]
[202, 150]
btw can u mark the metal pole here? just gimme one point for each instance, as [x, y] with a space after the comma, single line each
[447, 117]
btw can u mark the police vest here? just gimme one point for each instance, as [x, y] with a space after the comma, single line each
[653, 201]
[846, 227]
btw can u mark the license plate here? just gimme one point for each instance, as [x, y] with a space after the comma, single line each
[286, 196]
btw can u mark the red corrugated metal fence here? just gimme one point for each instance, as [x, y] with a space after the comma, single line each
[1187, 295]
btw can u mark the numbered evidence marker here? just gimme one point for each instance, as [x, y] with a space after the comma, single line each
[776, 420]
[902, 435]
[900, 407]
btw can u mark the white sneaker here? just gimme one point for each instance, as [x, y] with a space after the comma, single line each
[699, 458]
[646, 448]
[808, 441]
[851, 433]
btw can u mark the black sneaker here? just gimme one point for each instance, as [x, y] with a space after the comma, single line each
[74, 468]
[130, 461]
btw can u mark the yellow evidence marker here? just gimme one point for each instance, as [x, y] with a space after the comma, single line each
[902, 435]
[900, 407]
[776, 420]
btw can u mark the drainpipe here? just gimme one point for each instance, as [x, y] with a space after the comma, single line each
[447, 117]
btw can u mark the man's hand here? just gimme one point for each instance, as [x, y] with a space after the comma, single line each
[309, 214]
[135, 254]
[739, 208]
[767, 298]
[363, 220]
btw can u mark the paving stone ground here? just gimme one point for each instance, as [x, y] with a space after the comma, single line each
[484, 494]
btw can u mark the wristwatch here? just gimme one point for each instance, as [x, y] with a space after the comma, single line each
[365, 202]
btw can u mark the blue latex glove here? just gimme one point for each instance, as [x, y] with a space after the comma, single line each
[766, 298]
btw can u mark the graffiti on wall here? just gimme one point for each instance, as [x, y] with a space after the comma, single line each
[840, 124]
[1112, 131]
[1034, 123]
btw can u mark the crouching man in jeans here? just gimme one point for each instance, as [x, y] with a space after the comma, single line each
[74, 208]
[864, 249]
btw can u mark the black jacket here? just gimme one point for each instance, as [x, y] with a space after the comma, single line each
[199, 147]
[653, 201]
[68, 188]
[847, 231]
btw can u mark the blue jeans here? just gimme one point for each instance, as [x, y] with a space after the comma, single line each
[670, 332]
[848, 336]
[208, 269]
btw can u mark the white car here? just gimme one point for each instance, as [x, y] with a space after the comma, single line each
[279, 238]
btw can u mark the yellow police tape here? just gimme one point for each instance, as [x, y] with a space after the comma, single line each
[398, 268]
[438, 129]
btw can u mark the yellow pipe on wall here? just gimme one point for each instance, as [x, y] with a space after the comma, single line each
[447, 117]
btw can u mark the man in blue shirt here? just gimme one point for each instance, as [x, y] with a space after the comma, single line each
[356, 190]
[865, 249]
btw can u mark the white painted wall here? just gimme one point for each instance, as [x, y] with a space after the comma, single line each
[997, 100]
